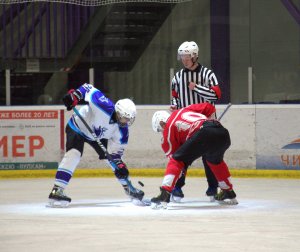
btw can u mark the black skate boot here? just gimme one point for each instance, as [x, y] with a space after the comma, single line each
[58, 198]
[161, 200]
[226, 197]
[133, 193]
[177, 195]
[211, 192]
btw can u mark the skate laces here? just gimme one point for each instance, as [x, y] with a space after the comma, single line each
[164, 196]
[226, 197]
[220, 195]
[58, 191]
[225, 194]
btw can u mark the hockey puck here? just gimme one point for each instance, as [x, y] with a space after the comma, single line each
[141, 183]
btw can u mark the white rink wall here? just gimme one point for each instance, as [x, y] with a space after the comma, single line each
[144, 147]
[258, 135]
[262, 136]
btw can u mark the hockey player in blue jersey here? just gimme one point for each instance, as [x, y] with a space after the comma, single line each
[110, 124]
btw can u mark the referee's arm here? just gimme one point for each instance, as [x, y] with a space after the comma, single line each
[209, 94]
[175, 101]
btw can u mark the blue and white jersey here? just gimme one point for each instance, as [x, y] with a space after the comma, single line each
[98, 115]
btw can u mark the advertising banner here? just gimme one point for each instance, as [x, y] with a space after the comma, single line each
[31, 139]
[278, 138]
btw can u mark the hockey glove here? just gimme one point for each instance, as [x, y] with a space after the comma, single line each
[72, 98]
[121, 170]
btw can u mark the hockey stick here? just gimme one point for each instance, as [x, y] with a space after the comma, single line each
[109, 157]
[225, 110]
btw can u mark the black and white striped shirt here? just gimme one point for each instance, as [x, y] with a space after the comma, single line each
[204, 91]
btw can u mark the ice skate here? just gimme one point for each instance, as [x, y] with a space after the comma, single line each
[177, 195]
[134, 193]
[211, 192]
[226, 197]
[58, 198]
[161, 200]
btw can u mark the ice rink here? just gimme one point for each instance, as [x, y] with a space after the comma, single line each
[101, 218]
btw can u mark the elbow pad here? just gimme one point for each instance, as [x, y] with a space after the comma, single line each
[217, 90]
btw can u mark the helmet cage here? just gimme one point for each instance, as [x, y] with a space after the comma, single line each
[157, 118]
[124, 119]
[126, 112]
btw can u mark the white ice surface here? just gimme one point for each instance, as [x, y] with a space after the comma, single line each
[121, 207]
[101, 218]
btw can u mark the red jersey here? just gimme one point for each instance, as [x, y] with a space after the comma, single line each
[182, 124]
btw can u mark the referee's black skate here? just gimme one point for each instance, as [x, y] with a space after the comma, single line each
[57, 198]
[226, 197]
[177, 195]
[211, 192]
[161, 200]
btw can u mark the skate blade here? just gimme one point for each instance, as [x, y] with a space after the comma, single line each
[57, 203]
[138, 202]
[158, 206]
[175, 199]
[228, 202]
[211, 198]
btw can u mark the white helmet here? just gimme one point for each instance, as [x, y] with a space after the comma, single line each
[126, 112]
[159, 116]
[188, 48]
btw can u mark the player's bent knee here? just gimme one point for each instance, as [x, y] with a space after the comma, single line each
[73, 153]
[214, 159]
[71, 159]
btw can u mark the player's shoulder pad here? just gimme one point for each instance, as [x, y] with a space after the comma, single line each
[101, 102]
[85, 88]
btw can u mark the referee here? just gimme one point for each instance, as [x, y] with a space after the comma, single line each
[193, 84]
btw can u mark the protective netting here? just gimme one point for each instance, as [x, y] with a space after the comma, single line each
[93, 2]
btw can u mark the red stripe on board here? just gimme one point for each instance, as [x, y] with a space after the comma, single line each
[62, 127]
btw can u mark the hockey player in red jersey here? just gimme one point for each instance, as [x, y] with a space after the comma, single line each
[190, 133]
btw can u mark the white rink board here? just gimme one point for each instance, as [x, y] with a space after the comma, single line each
[278, 137]
[30, 137]
[258, 133]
